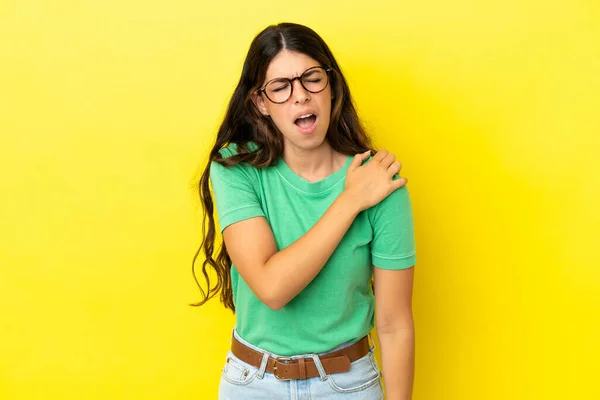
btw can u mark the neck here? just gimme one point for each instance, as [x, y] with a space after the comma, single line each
[314, 164]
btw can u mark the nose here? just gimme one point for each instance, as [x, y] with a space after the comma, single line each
[299, 94]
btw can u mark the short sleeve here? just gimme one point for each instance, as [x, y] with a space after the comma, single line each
[235, 194]
[393, 244]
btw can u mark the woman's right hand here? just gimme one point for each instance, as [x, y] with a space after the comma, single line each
[369, 184]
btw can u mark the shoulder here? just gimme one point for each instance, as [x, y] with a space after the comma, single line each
[233, 149]
[394, 207]
[239, 171]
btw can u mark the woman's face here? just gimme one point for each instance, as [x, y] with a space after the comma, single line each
[304, 118]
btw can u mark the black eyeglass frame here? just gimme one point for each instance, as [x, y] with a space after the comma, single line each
[291, 81]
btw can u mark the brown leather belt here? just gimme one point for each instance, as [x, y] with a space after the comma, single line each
[285, 368]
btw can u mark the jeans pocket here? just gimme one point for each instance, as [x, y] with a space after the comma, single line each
[363, 374]
[238, 372]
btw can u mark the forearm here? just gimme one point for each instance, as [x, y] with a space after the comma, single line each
[398, 354]
[293, 268]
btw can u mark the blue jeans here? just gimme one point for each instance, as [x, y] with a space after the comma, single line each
[241, 381]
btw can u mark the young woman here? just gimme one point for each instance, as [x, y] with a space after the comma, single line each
[308, 219]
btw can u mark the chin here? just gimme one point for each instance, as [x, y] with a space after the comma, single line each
[316, 142]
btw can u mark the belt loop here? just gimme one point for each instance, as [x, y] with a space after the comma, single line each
[263, 365]
[370, 340]
[302, 368]
[319, 366]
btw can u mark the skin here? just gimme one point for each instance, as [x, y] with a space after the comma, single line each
[310, 156]
[276, 276]
[395, 329]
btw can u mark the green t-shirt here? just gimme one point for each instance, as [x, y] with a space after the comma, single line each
[337, 306]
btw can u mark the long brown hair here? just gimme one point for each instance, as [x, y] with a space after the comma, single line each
[244, 124]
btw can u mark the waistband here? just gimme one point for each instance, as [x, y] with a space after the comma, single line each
[304, 366]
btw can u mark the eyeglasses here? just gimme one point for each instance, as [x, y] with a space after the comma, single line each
[314, 80]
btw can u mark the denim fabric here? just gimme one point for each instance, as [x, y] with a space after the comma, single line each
[241, 381]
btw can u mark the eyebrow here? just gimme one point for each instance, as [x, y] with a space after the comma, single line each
[283, 77]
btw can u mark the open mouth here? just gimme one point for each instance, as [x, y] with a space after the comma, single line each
[306, 121]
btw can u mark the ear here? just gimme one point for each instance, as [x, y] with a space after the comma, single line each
[259, 102]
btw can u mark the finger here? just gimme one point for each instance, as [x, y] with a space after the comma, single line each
[394, 168]
[388, 160]
[398, 183]
[358, 159]
[380, 155]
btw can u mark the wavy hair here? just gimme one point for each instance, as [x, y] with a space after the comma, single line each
[244, 125]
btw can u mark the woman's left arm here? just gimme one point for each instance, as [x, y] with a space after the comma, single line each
[395, 329]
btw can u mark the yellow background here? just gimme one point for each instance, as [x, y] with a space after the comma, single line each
[108, 107]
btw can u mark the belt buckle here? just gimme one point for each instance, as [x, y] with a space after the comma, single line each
[284, 360]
